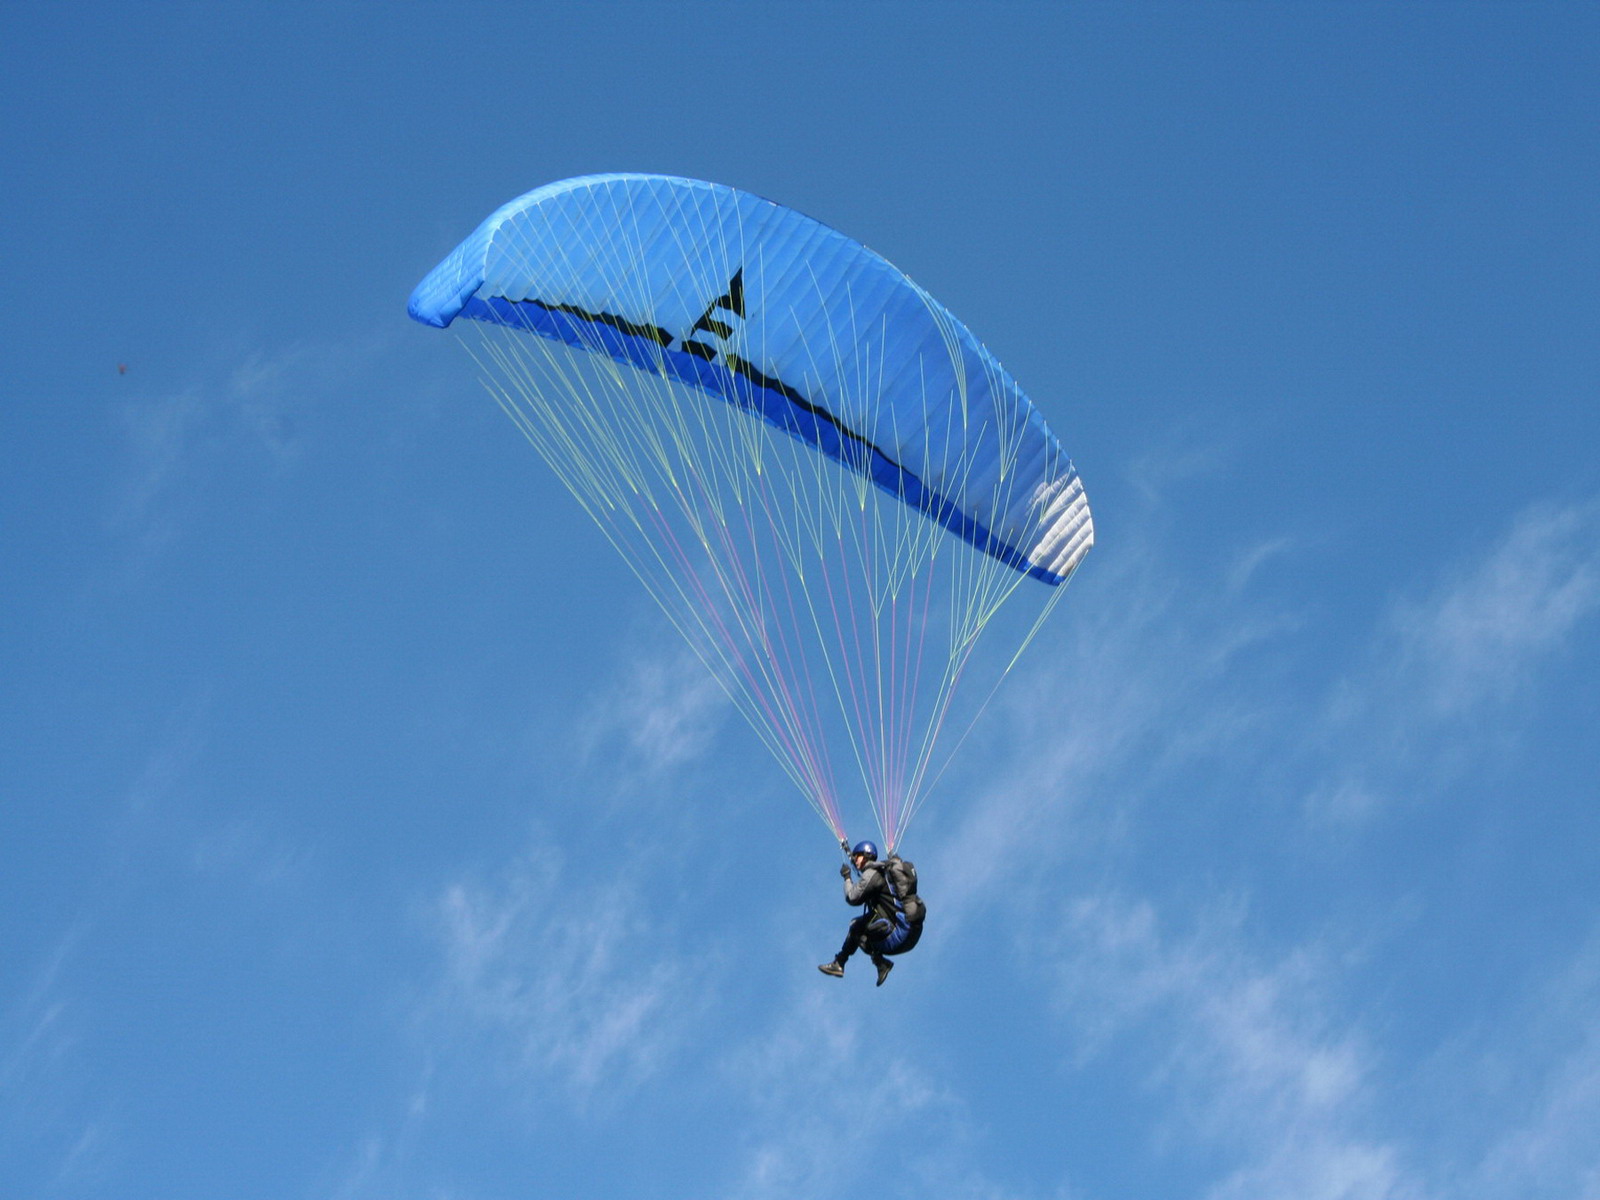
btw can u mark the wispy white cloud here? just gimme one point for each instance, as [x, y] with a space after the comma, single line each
[245, 850]
[379, 1163]
[1247, 563]
[1187, 453]
[36, 1026]
[1252, 1055]
[159, 435]
[1448, 674]
[562, 972]
[168, 807]
[247, 415]
[1113, 707]
[562, 983]
[1546, 1144]
[86, 1161]
[1479, 637]
[362, 1171]
[1254, 1045]
[48, 1118]
[825, 1089]
[660, 714]
[1251, 1041]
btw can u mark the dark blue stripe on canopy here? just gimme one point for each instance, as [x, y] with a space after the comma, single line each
[776, 403]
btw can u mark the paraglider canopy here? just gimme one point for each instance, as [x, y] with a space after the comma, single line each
[780, 431]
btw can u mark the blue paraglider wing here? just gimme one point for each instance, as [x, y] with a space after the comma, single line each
[792, 321]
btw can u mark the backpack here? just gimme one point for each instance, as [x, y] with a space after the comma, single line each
[902, 877]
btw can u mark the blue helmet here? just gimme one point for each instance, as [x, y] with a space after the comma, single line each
[870, 849]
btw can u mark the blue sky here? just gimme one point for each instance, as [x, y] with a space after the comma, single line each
[364, 833]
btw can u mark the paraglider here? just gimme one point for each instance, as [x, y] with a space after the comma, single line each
[823, 478]
[891, 911]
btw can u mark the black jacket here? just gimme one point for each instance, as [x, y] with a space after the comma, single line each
[871, 892]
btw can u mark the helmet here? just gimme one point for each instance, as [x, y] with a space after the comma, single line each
[870, 849]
